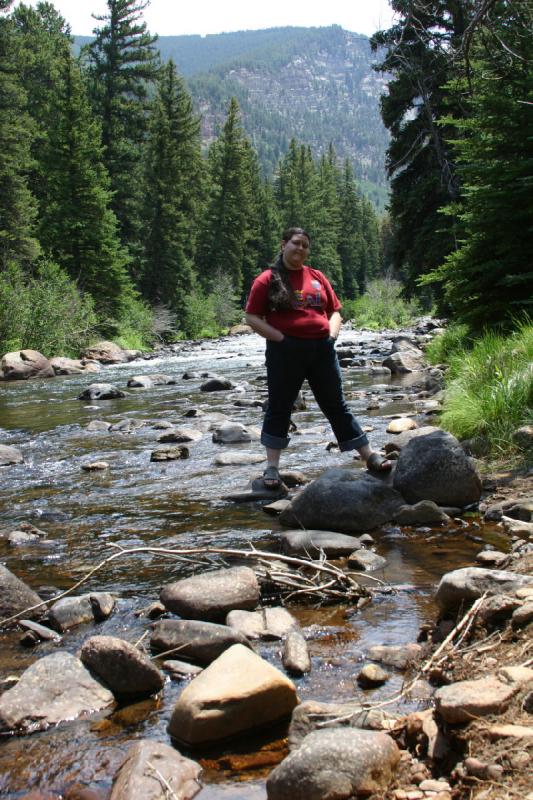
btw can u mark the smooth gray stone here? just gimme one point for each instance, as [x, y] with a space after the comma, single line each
[295, 658]
[10, 456]
[101, 391]
[201, 642]
[309, 542]
[176, 777]
[311, 714]
[366, 560]
[121, 666]
[16, 596]
[211, 595]
[462, 587]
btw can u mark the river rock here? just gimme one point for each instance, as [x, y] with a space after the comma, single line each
[462, 586]
[127, 425]
[55, 688]
[10, 456]
[295, 657]
[170, 453]
[426, 512]
[371, 675]
[155, 771]
[101, 391]
[522, 616]
[180, 436]
[400, 425]
[343, 500]
[492, 558]
[402, 439]
[24, 364]
[366, 560]
[16, 596]
[67, 366]
[237, 692]
[405, 361]
[216, 385]
[95, 466]
[435, 467]
[42, 633]
[178, 670]
[338, 764]
[237, 457]
[71, 611]
[212, 595]
[400, 656]
[121, 666]
[314, 715]
[309, 542]
[497, 609]
[201, 642]
[268, 623]
[140, 382]
[98, 425]
[465, 700]
[256, 491]
[106, 353]
[516, 527]
[231, 432]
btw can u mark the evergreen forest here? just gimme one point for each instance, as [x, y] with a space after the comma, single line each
[116, 221]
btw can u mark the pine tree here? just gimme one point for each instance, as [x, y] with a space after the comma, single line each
[173, 191]
[351, 226]
[17, 205]
[122, 66]
[326, 232]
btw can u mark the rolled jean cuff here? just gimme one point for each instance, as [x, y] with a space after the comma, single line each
[354, 444]
[274, 442]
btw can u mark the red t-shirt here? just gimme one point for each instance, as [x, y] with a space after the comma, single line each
[315, 303]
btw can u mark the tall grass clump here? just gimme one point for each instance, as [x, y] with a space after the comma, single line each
[445, 346]
[490, 388]
[382, 306]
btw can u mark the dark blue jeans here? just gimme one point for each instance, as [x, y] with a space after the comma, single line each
[289, 363]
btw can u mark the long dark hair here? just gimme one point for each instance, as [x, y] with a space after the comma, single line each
[280, 292]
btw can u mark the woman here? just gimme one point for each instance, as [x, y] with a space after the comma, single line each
[296, 310]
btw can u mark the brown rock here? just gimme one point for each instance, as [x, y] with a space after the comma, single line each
[121, 666]
[463, 701]
[154, 771]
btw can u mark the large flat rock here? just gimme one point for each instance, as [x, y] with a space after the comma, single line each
[311, 543]
[463, 586]
[212, 595]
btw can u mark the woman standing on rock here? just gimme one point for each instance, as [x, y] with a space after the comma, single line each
[296, 310]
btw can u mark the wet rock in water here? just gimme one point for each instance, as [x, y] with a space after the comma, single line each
[148, 381]
[465, 700]
[95, 466]
[16, 596]
[101, 391]
[238, 457]
[409, 360]
[180, 436]
[231, 432]
[248, 403]
[71, 611]
[10, 456]
[107, 353]
[21, 538]
[67, 366]
[257, 491]
[435, 467]
[314, 715]
[372, 675]
[21, 365]
[400, 656]
[426, 512]
[127, 425]
[309, 542]
[97, 425]
[294, 477]
[401, 425]
[163, 425]
[42, 633]
[343, 500]
[55, 688]
[462, 586]
[275, 508]
[212, 595]
[267, 623]
[178, 670]
[121, 666]
[190, 375]
[366, 560]
[153, 771]
[491, 558]
[237, 692]
[295, 657]
[170, 453]
[216, 385]
[201, 642]
[335, 763]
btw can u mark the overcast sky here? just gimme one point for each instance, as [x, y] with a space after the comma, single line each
[172, 17]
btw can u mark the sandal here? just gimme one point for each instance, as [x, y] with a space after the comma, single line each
[378, 463]
[271, 478]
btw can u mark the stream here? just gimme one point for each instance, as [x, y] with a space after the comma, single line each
[179, 503]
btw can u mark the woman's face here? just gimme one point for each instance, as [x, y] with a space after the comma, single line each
[295, 251]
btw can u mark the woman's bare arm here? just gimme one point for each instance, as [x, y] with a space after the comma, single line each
[263, 328]
[335, 322]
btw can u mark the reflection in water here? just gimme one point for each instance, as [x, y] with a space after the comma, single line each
[137, 502]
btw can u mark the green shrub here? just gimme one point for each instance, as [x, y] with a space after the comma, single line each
[443, 347]
[199, 319]
[381, 307]
[44, 311]
[490, 389]
[134, 329]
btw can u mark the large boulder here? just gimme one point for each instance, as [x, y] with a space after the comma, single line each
[106, 353]
[212, 595]
[201, 642]
[435, 467]
[462, 587]
[10, 456]
[343, 500]
[121, 666]
[67, 366]
[55, 688]
[338, 764]
[404, 361]
[155, 771]
[237, 692]
[23, 364]
[16, 596]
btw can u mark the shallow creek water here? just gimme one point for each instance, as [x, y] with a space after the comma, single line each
[138, 502]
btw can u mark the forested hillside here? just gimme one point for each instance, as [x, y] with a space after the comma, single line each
[315, 84]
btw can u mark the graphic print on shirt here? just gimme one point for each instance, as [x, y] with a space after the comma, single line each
[311, 300]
